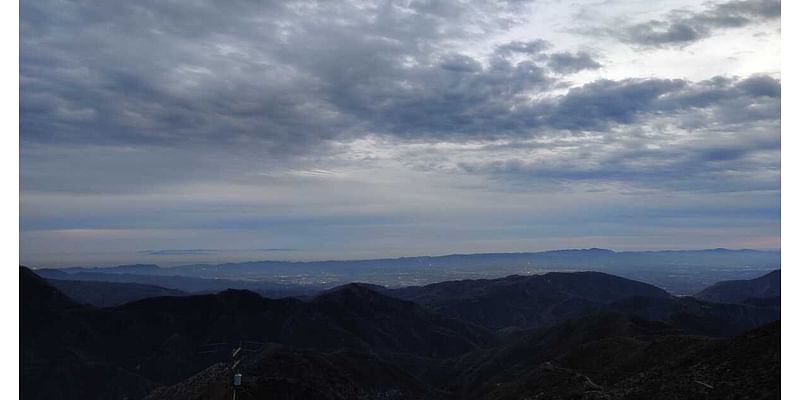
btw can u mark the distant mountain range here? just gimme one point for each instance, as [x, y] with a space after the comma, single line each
[679, 272]
[555, 258]
[583, 335]
[179, 283]
[108, 294]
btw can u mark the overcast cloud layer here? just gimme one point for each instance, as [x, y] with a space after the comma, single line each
[181, 131]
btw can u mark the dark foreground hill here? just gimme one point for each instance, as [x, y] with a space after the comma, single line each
[601, 356]
[281, 372]
[741, 291]
[357, 341]
[637, 365]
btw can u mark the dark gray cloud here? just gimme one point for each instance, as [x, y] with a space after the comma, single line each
[442, 102]
[533, 47]
[567, 63]
[179, 252]
[289, 77]
[681, 28]
[710, 160]
[718, 135]
[140, 98]
[597, 105]
[677, 168]
[493, 103]
[284, 75]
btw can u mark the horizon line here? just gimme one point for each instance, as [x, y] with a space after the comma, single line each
[210, 251]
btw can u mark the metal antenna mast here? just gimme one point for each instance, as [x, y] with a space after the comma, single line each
[237, 354]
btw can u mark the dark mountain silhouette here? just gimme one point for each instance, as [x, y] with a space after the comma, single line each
[697, 316]
[351, 317]
[107, 294]
[161, 339]
[39, 296]
[54, 333]
[527, 301]
[740, 291]
[399, 326]
[764, 301]
[356, 341]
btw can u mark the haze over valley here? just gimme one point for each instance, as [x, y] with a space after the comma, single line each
[680, 272]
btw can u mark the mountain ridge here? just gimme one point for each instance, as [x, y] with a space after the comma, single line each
[739, 291]
[387, 347]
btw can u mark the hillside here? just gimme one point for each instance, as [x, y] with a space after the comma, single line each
[600, 356]
[740, 291]
[650, 367]
[527, 301]
[280, 372]
[162, 340]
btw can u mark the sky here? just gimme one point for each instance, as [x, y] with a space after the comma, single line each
[182, 131]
